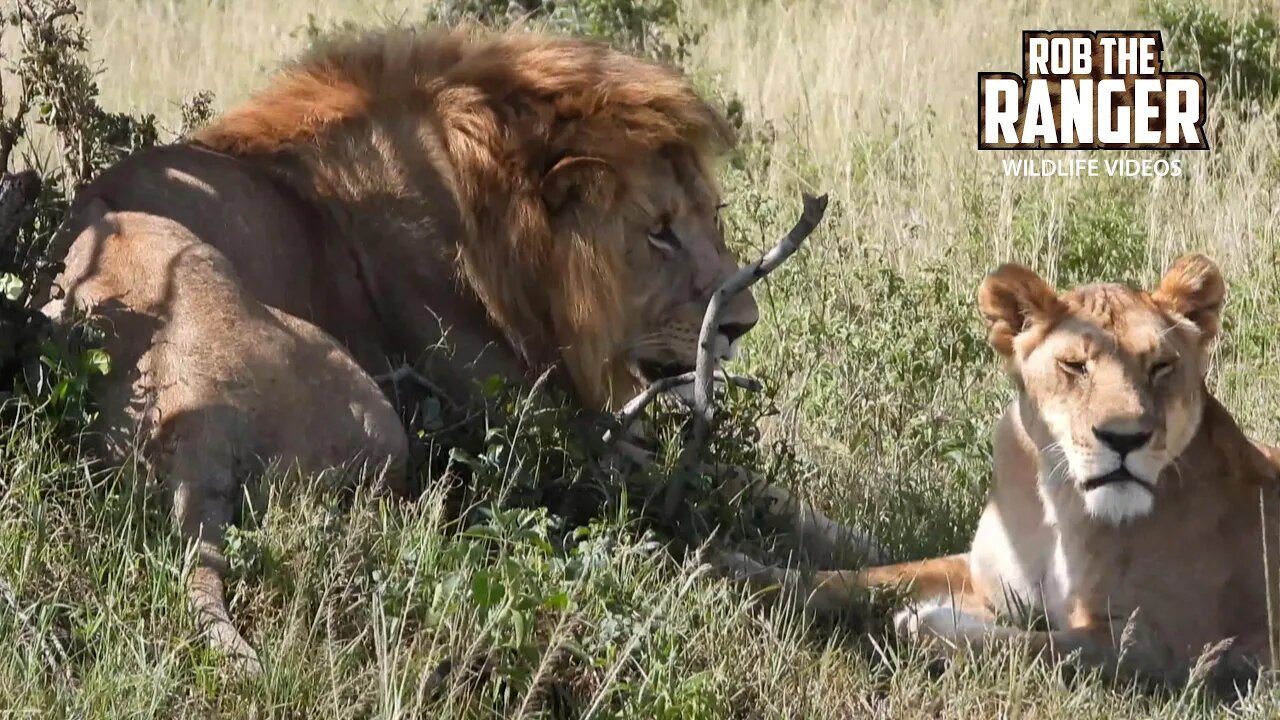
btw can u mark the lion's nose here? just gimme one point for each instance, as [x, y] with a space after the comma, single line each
[1122, 442]
[733, 331]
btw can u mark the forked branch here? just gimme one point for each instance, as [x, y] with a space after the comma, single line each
[814, 210]
[812, 213]
[705, 373]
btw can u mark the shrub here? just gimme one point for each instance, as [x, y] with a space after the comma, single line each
[57, 90]
[1239, 55]
[653, 28]
[1098, 235]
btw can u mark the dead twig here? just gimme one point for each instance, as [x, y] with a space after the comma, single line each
[813, 211]
[406, 372]
[630, 412]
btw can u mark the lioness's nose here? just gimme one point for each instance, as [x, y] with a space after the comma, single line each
[1122, 442]
[733, 331]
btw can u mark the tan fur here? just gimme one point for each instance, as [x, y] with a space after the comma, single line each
[1165, 578]
[477, 204]
[504, 117]
[211, 385]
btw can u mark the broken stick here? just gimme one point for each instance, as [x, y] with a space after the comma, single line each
[814, 209]
[824, 540]
[705, 372]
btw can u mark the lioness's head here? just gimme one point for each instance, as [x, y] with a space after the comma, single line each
[1111, 378]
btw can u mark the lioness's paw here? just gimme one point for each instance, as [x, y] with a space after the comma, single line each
[938, 618]
[739, 568]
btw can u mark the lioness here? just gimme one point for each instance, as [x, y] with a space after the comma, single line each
[478, 204]
[1123, 491]
[209, 383]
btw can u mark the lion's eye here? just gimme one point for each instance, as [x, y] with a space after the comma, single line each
[1074, 367]
[1161, 369]
[664, 238]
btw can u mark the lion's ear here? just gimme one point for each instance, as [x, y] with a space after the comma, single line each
[1011, 299]
[579, 182]
[1194, 289]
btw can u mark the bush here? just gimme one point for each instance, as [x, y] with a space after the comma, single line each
[1099, 234]
[653, 28]
[1238, 56]
[57, 90]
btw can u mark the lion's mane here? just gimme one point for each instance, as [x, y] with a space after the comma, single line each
[369, 117]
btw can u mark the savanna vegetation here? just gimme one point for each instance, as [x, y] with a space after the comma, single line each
[880, 392]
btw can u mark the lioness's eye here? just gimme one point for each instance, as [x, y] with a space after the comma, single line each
[664, 238]
[1160, 369]
[1073, 367]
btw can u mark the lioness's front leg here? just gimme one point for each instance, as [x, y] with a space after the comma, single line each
[950, 613]
[943, 602]
[941, 584]
[824, 542]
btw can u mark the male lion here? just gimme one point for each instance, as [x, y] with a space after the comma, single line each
[529, 202]
[1126, 504]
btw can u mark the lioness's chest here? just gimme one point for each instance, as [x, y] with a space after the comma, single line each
[1184, 588]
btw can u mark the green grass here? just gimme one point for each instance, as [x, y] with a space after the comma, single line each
[874, 359]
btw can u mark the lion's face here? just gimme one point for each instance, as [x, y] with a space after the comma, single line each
[1111, 378]
[676, 258]
[641, 254]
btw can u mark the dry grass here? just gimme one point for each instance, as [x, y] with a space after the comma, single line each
[872, 100]
[891, 409]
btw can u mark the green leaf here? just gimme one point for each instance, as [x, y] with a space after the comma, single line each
[559, 601]
[98, 361]
[492, 385]
[577, 651]
[517, 625]
[432, 414]
[486, 589]
[11, 287]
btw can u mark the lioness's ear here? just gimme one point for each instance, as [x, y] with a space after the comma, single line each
[1194, 289]
[582, 181]
[1011, 298]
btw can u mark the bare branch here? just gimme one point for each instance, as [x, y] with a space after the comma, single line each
[820, 537]
[637, 405]
[405, 372]
[813, 211]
